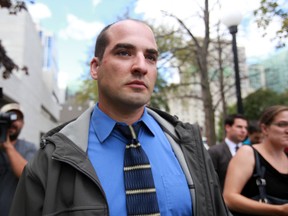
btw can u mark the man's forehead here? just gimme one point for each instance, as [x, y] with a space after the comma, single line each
[131, 36]
[124, 23]
[240, 121]
[127, 27]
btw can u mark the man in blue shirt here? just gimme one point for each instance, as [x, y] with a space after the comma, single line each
[79, 168]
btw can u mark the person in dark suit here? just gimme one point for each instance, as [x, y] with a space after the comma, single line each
[235, 132]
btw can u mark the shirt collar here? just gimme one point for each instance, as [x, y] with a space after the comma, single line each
[232, 145]
[103, 125]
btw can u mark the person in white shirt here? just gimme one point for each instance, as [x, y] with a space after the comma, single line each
[236, 131]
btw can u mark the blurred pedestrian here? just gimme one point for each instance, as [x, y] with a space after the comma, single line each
[14, 154]
[221, 154]
[260, 171]
[254, 133]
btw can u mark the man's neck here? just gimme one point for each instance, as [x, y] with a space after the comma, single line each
[128, 116]
[231, 141]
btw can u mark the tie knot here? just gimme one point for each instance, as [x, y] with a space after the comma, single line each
[236, 148]
[129, 131]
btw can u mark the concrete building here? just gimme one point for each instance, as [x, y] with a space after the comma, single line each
[36, 93]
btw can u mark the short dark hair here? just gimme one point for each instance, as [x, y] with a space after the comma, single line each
[103, 39]
[229, 120]
[253, 127]
[102, 42]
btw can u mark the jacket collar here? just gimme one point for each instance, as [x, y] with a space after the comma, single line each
[80, 124]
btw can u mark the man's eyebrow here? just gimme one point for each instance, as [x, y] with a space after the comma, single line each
[123, 45]
[131, 46]
[153, 51]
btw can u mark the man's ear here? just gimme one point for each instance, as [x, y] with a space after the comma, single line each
[227, 127]
[94, 65]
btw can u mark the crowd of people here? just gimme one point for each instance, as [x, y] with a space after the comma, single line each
[252, 164]
[122, 157]
[260, 172]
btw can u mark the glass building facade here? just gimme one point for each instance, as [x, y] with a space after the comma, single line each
[271, 72]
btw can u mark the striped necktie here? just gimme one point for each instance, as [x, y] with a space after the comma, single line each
[141, 198]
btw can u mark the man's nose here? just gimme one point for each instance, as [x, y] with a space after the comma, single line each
[139, 64]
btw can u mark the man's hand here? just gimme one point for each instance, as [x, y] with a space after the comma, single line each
[4, 145]
[16, 160]
[7, 144]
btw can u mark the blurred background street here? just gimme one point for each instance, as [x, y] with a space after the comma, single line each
[52, 42]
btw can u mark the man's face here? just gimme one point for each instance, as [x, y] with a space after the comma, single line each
[16, 125]
[127, 73]
[238, 131]
[15, 129]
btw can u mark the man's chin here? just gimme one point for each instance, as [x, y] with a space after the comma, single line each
[13, 137]
[137, 99]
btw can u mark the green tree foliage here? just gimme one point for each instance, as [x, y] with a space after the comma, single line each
[88, 91]
[159, 99]
[270, 10]
[256, 102]
[175, 50]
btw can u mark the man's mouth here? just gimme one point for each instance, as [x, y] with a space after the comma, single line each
[137, 84]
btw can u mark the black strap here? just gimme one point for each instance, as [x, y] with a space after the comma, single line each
[260, 180]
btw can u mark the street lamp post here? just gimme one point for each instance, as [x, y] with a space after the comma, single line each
[232, 20]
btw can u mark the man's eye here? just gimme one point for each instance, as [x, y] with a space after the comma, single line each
[123, 53]
[151, 57]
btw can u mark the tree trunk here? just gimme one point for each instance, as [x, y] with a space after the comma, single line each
[206, 92]
[207, 103]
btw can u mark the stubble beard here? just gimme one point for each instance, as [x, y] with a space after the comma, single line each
[14, 136]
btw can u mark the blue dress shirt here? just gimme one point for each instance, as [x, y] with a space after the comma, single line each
[106, 148]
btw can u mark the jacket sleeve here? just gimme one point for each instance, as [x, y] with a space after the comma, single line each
[213, 156]
[29, 195]
[216, 193]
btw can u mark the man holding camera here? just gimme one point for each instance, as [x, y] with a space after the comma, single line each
[14, 154]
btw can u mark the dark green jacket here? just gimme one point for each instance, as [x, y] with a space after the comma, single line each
[61, 179]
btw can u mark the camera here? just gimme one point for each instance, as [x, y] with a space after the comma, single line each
[5, 121]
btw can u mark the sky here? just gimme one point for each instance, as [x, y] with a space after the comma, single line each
[75, 25]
